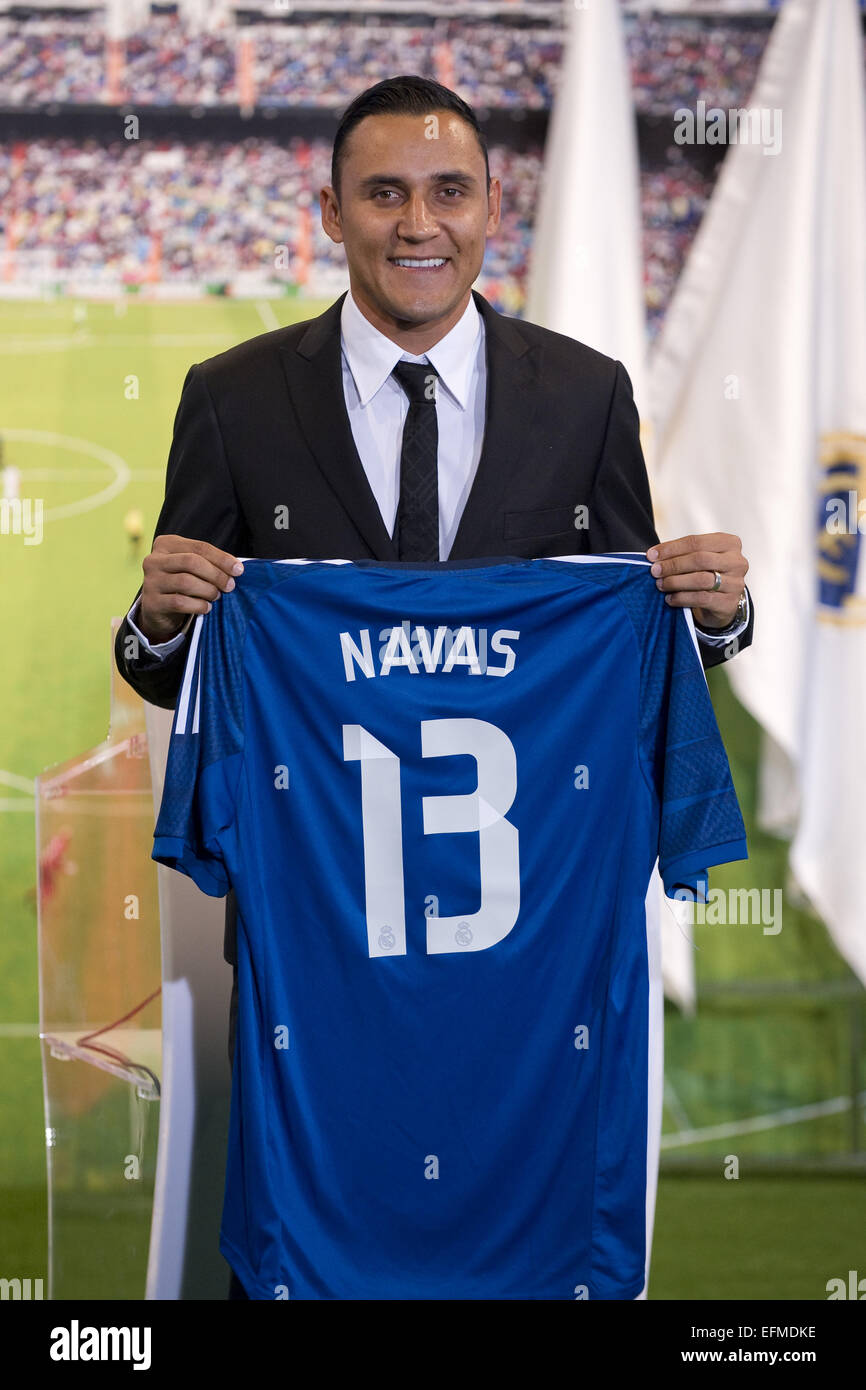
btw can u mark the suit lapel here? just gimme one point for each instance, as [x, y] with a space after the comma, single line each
[314, 376]
[313, 371]
[509, 431]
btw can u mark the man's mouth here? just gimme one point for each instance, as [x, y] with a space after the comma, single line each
[418, 264]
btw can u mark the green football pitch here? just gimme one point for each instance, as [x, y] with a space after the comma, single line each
[769, 1070]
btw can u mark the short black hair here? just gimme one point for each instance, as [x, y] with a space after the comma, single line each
[407, 95]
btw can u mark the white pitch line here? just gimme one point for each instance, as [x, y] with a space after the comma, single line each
[34, 342]
[791, 1116]
[50, 309]
[266, 314]
[675, 1105]
[16, 347]
[77, 446]
[52, 475]
[14, 779]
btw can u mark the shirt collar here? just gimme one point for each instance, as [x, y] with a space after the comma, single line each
[372, 356]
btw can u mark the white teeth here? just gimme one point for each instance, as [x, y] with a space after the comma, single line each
[440, 261]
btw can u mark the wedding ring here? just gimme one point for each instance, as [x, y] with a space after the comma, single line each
[718, 583]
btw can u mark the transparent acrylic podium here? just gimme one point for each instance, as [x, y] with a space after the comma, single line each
[134, 1001]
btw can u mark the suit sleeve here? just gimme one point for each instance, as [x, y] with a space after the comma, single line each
[620, 506]
[200, 503]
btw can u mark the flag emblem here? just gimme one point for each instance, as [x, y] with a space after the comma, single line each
[841, 518]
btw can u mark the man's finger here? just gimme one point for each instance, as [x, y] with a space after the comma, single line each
[716, 541]
[702, 581]
[699, 598]
[165, 583]
[222, 559]
[164, 570]
[701, 562]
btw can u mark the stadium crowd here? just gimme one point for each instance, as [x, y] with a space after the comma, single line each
[46, 60]
[673, 200]
[165, 66]
[208, 211]
[674, 60]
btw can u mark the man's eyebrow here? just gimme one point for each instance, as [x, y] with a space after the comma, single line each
[447, 176]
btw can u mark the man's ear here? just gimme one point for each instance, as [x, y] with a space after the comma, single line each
[494, 201]
[330, 209]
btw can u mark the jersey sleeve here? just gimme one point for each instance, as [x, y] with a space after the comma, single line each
[205, 755]
[700, 823]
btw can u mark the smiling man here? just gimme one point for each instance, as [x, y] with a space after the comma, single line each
[413, 202]
[412, 199]
[537, 443]
[410, 421]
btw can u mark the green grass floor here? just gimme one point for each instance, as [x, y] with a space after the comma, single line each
[766, 1237]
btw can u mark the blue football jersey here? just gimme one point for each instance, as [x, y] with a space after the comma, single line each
[439, 793]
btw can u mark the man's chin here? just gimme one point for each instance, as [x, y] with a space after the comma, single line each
[419, 308]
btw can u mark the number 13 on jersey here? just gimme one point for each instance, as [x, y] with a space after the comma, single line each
[481, 812]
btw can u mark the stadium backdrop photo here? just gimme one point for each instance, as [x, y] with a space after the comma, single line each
[683, 190]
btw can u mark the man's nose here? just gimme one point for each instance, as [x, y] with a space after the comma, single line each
[418, 218]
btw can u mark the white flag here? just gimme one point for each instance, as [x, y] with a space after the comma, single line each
[759, 402]
[586, 271]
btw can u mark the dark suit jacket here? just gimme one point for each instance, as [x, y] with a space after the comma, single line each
[264, 427]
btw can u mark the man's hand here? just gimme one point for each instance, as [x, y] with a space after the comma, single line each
[686, 570]
[181, 576]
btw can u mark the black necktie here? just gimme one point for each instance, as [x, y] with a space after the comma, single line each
[417, 528]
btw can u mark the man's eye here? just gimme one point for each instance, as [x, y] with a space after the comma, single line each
[382, 192]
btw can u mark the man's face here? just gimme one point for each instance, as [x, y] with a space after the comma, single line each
[412, 188]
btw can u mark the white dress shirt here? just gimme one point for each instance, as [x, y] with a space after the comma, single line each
[377, 407]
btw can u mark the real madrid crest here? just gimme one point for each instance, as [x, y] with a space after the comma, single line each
[841, 527]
